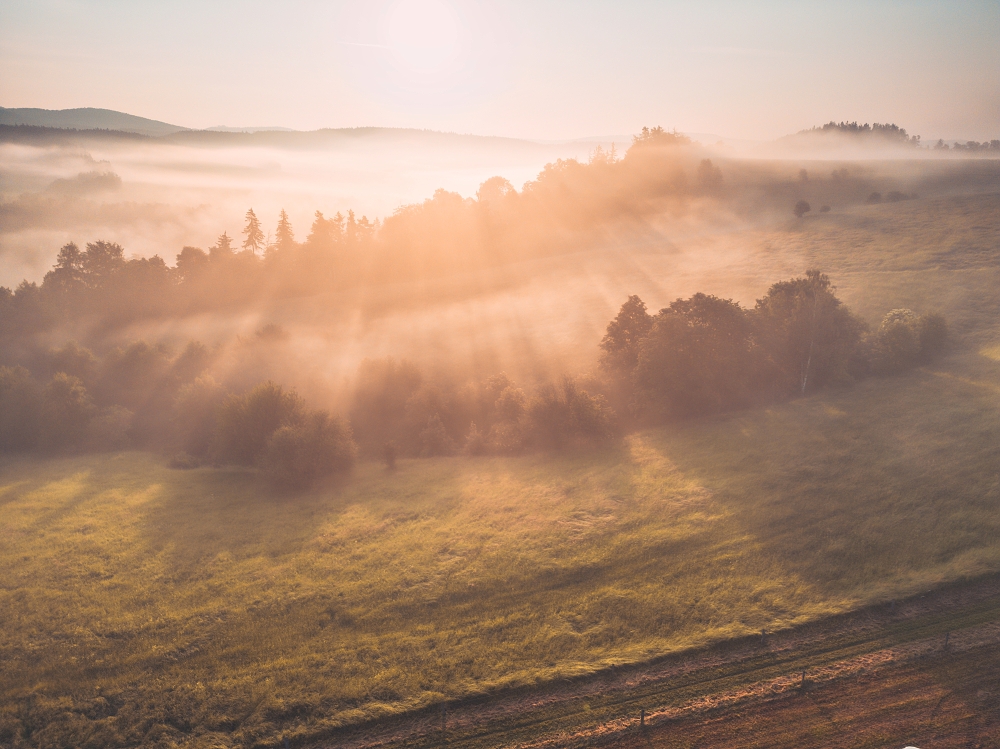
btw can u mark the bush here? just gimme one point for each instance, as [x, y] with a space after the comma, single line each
[66, 413]
[297, 455]
[506, 435]
[246, 422]
[384, 386]
[475, 442]
[897, 342]
[434, 439]
[933, 337]
[193, 416]
[109, 429]
[568, 416]
[20, 410]
[904, 340]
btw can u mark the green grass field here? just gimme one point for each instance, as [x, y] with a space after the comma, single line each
[143, 605]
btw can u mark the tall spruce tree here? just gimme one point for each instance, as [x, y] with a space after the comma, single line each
[254, 241]
[284, 237]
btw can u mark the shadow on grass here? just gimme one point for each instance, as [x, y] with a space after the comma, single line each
[207, 512]
[890, 483]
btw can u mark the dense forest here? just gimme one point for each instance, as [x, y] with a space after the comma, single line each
[698, 356]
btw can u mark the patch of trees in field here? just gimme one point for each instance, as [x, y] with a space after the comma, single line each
[140, 396]
[396, 410]
[889, 133]
[707, 355]
[988, 147]
[698, 356]
[145, 397]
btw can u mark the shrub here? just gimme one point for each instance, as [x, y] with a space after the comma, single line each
[389, 454]
[566, 416]
[933, 336]
[20, 410]
[193, 416]
[897, 342]
[434, 439]
[109, 429]
[66, 413]
[475, 442]
[904, 340]
[299, 454]
[246, 422]
[380, 397]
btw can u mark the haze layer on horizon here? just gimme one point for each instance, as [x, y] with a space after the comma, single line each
[541, 69]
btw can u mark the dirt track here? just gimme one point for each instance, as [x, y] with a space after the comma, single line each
[926, 670]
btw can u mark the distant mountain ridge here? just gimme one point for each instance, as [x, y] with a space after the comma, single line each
[87, 118]
[265, 129]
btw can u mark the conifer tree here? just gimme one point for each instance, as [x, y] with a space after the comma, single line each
[222, 249]
[255, 235]
[284, 237]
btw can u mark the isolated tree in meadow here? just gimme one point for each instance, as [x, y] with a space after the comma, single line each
[284, 237]
[254, 241]
[801, 209]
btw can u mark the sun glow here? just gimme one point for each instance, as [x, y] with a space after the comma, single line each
[425, 37]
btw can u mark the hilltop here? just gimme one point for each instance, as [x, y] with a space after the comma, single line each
[87, 118]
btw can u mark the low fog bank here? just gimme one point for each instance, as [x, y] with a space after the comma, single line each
[499, 276]
[154, 196]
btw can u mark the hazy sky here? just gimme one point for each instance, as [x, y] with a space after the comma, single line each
[538, 69]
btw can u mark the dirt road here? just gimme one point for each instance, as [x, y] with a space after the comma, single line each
[925, 671]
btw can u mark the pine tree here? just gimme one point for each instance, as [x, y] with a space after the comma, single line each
[255, 235]
[284, 237]
[222, 249]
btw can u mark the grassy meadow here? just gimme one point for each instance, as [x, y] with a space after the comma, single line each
[144, 605]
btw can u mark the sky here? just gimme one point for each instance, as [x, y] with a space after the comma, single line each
[541, 69]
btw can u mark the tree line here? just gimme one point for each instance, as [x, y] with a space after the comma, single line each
[706, 355]
[698, 356]
[444, 234]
